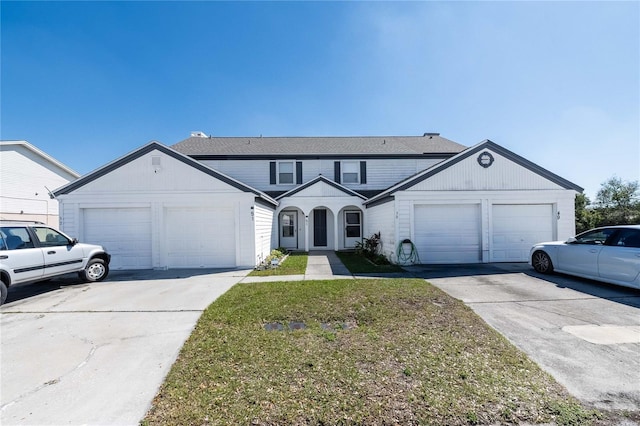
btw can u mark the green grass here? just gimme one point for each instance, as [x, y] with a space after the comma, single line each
[294, 264]
[358, 264]
[394, 351]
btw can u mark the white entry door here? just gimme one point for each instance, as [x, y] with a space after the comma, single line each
[352, 228]
[289, 230]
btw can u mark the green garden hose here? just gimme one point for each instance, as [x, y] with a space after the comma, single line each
[405, 257]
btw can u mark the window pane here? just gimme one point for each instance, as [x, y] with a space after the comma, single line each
[350, 167]
[350, 172]
[286, 178]
[350, 178]
[288, 231]
[286, 167]
[50, 237]
[353, 231]
[285, 172]
[353, 218]
[594, 237]
[17, 238]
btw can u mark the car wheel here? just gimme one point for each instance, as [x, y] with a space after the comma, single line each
[3, 292]
[96, 270]
[542, 262]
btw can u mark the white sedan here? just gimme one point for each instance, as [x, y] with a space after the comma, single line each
[609, 254]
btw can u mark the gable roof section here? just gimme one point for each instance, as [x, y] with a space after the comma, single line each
[208, 148]
[486, 144]
[39, 153]
[316, 180]
[152, 146]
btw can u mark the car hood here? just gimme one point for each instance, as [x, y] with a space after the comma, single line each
[551, 243]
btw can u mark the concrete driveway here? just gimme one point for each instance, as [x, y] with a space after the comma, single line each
[584, 333]
[75, 353]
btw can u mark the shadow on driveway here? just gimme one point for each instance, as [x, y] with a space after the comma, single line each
[24, 291]
[625, 295]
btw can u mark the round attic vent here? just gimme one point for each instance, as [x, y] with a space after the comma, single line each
[485, 159]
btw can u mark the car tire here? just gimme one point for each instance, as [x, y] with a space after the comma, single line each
[3, 292]
[96, 270]
[542, 262]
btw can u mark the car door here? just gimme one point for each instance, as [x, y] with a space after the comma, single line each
[19, 254]
[60, 254]
[620, 258]
[580, 256]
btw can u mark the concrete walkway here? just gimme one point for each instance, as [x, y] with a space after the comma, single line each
[321, 265]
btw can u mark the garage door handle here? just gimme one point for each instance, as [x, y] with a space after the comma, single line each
[51, 252]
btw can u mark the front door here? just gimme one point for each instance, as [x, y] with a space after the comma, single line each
[288, 230]
[352, 228]
[320, 228]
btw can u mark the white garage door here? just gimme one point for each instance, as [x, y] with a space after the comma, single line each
[518, 227]
[125, 232]
[448, 233]
[199, 237]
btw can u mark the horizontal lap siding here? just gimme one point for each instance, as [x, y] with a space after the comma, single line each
[380, 173]
[263, 227]
[380, 218]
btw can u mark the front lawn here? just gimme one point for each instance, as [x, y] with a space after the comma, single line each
[367, 352]
[294, 264]
[358, 264]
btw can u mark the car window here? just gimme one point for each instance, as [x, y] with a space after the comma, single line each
[627, 238]
[16, 237]
[598, 236]
[49, 237]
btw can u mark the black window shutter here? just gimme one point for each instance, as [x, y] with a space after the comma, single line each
[298, 172]
[336, 171]
[363, 172]
[272, 173]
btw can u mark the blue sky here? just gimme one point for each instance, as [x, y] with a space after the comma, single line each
[555, 82]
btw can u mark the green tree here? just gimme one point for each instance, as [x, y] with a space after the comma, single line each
[618, 202]
[586, 216]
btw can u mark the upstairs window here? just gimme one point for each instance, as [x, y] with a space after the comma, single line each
[350, 172]
[285, 172]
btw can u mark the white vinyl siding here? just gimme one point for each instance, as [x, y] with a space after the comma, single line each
[448, 233]
[516, 228]
[264, 222]
[381, 173]
[380, 218]
[124, 232]
[24, 180]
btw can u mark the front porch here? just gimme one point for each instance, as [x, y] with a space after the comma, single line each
[319, 215]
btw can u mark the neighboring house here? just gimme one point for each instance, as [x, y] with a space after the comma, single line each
[227, 201]
[27, 175]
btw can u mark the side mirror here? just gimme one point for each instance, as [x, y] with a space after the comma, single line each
[571, 240]
[74, 241]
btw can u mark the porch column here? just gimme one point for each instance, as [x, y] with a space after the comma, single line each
[306, 232]
[336, 242]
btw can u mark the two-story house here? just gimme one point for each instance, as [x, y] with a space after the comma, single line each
[227, 201]
[27, 175]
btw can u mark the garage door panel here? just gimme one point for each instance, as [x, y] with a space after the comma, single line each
[448, 233]
[517, 227]
[125, 232]
[207, 242]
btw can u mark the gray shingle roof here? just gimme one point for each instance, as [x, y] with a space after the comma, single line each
[352, 145]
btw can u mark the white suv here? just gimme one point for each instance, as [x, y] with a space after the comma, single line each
[32, 251]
